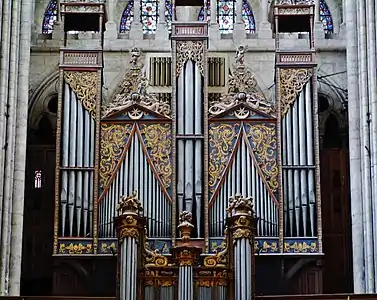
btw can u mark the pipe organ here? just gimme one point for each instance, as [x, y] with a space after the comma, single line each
[188, 171]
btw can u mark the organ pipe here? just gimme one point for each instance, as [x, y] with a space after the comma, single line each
[189, 141]
[243, 177]
[135, 173]
[76, 198]
[299, 167]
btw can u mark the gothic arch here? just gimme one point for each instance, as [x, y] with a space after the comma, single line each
[225, 14]
[47, 90]
[49, 18]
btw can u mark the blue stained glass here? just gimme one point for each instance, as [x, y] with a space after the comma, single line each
[149, 16]
[127, 17]
[226, 15]
[248, 17]
[325, 16]
[50, 17]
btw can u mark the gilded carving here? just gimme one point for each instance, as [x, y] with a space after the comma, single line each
[153, 258]
[292, 81]
[129, 204]
[157, 140]
[263, 140]
[300, 247]
[222, 138]
[134, 92]
[220, 259]
[190, 50]
[185, 226]
[114, 138]
[75, 248]
[84, 85]
[243, 89]
[186, 258]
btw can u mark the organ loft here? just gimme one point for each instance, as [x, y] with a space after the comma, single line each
[180, 150]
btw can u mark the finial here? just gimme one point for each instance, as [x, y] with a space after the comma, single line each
[129, 204]
[135, 54]
[185, 226]
[239, 205]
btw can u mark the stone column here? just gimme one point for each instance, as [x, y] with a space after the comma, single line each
[111, 30]
[264, 29]
[136, 31]
[162, 30]
[239, 32]
[15, 56]
[213, 28]
[129, 227]
[243, 226]
[318, 26]
[20, 148]
[186, 256]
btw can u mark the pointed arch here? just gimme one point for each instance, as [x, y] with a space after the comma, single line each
[50, 16]
[225, 15]
[149, 15]
[326, 17]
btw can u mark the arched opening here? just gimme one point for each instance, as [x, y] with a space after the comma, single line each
[37, 263]
[336, 219]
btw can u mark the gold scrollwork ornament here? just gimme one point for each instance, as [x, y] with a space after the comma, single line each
[292, 81]
[84, 85]
[190, 50]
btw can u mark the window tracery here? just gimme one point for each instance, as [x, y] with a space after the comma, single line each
[326, 17]
[226, 15]
[149, 16]
[50, 17]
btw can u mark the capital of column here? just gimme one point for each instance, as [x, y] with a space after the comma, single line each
[129, 222]
[242, 218]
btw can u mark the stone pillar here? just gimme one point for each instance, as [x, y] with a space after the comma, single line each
[242, 221]
[186, 256]
[239, 32]
[318, 26]
[129, 227]
[213, 28]
[162, 30]
[264, 29]
[15, 56]
[136, 31]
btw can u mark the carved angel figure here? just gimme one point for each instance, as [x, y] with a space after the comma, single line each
[135, 54]
[240, 54]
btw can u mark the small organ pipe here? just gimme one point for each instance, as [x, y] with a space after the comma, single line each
[266, 207]
[157, 207]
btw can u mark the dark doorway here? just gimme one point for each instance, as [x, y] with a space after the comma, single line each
[336, 218]
[37, 263]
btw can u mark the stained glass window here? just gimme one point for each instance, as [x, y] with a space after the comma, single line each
[127, 17]
[38, 179]
[50, 17]
[149, 15]
[226, 15]
[326, 18]
[168, 13]
[248, 17]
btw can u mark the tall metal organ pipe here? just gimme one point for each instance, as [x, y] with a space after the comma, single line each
[77, 167]
[299, 167]
[189, 142]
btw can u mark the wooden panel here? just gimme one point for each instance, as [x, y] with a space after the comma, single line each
[336, 221]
